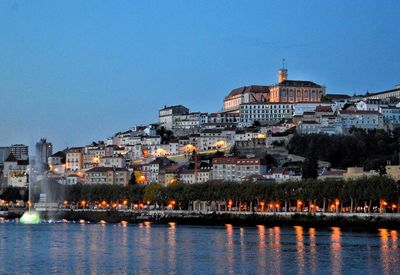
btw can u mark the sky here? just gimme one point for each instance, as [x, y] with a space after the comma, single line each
[78, 71]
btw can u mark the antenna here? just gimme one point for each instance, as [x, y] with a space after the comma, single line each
[283, 63]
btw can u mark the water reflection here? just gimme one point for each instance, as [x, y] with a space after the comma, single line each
[300, 248]
[261, 249]
[313, 250]
[172, 246]
[336, 257]
[171, 249]
[229, 247]
[389, 251]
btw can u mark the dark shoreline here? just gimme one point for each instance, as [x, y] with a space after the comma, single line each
[348, 221]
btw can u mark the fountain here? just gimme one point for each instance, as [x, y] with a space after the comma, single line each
[31, 216]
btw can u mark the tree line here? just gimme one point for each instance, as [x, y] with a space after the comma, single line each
[366, 193]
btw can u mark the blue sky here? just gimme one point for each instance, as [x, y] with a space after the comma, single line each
[77, 71]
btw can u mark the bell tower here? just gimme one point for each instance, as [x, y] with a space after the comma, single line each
[282, 73]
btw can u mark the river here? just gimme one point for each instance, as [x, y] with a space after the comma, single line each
[66, 248]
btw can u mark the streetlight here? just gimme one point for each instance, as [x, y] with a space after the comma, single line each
[299, 204]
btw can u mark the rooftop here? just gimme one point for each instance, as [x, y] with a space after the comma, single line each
[248, 89]
[298, 83]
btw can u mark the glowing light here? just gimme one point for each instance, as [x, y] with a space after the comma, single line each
[30, 217]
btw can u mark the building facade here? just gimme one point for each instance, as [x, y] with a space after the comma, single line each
[107, 175]
[237, 169]
[167, 115]
[264, 112]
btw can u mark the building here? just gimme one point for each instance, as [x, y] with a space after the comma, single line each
[4, 153]
[301, 107]
[264, 113]
[113, 161]
[391, 115]
[211, 139]
[247, 94]
[282, 174]
[369, 105]
[332, 175]
[393, 171]
[190, 176]
[237, 169]
[20, 151]
[92, 154]
[107, 175]
[151, 171]
[295, 90]
[360, 119]
[187, 121]
[74, 159]
[385, 94]
[167, 115]
[57, 162]
[44, 150]
[16, 171]
[356, 173]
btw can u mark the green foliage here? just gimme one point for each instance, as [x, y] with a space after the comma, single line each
[364, 191]
[153, 193]
[369, 149]
[310, 168]
[12, 194]
[166, 135]
[132, 180]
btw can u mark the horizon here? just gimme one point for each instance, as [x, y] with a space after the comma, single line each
[75, 73]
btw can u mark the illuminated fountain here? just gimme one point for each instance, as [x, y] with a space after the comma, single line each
[35, 172]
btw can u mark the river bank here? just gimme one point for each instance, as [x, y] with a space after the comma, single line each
[351, 220]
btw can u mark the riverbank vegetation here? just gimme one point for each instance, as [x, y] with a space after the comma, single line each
[373, 194]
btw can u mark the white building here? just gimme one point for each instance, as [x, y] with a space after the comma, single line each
[301, 107]
[189, 176]
[187, 121]
[211, 139]
[16, 171]
[167, 115]
[237, 169]
[390, 114]
[74, 159]
[361, 119]
[264, 112]
[113, 161]
[282, 174]
[369, 105]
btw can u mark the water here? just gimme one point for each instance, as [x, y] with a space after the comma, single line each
[169, 249]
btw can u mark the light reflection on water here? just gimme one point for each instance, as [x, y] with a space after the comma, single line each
[336, 257]
[178, 249]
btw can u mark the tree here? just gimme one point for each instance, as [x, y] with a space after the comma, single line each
[310, 168]
[132, 180]
[153, 192]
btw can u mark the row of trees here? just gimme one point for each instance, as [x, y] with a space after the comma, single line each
[351, 194]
